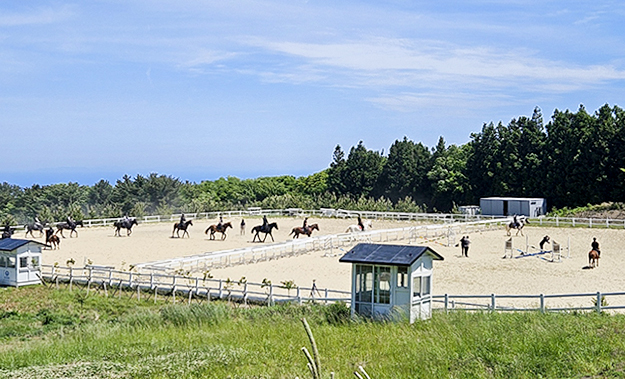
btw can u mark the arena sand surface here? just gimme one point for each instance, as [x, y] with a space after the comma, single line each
[484, 272]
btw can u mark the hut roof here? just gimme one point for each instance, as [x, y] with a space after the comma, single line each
[394, 255]
[9, 244]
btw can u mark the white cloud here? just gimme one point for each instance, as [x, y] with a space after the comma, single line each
[36, 17]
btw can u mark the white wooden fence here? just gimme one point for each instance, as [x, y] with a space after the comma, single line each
[593, 301]
[203, 262]
[114, 282]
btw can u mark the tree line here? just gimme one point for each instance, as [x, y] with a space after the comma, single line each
[573, 160]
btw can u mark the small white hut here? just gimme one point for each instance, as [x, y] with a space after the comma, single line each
[20, 262]
[391, 278]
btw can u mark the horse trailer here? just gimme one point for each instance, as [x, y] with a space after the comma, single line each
[508, 206]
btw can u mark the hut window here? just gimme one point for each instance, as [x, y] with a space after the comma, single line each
[23, 262]
[383, 285]
[402, 277]
[35, 262]
[11, 262]
[364, 283]
[3, 261]
[421, 286]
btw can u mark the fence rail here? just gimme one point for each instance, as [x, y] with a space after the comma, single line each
[203, 262]
[594, 301]
[108, 279]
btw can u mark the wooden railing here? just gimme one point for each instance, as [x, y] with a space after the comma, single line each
[109, 280]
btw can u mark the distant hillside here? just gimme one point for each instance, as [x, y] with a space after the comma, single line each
[604, 210]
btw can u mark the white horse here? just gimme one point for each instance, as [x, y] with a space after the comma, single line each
[522, 220]
[356, 228]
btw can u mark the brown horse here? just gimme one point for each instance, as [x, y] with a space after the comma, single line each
[181, 226]
[52, 239]
[593, 258]
[299, 230]
[216, 228]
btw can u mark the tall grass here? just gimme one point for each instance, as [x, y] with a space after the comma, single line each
[142, 340]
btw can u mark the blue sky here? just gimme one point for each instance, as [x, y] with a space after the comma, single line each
[197, 89]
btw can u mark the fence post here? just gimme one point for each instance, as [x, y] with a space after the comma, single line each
[598, 302]
[299, 297]
[542, 303]
[446, 303]
[492, 302]
[270, 298]
[71, 278]
[326, 296]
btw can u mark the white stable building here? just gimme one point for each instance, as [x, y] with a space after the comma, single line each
[508, 206]
[391, 278]
[20, 262]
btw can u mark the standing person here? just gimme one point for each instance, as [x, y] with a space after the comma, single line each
[543, 242]
[242, 226]
[595, 245]
[465, 246]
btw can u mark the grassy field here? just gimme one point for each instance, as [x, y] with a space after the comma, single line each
[48, 333]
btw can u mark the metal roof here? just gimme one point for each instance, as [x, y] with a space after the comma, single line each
[394, 255]
[10, 244]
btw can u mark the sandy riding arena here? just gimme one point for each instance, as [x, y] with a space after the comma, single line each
[483, 272]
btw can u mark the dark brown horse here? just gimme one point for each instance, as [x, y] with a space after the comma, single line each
[69, 226]
[259, 229]
[181, 226]
[299, 230]
[216, 228]
[126, 224]
[52, 239]
[593, 258]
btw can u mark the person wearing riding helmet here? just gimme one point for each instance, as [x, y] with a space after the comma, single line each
[182, 220]
[220, 224]
[305, 225]
[265, 223]
[362, 226]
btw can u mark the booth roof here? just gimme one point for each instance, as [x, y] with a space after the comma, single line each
[395, 255]
[9, 244]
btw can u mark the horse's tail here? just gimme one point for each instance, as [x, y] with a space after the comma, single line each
[292, 231]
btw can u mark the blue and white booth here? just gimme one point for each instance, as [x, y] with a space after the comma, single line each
[20, 262]
[391, 278]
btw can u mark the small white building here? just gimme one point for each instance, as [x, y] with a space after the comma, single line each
[20, 262]
[508, 206]
[391, 278]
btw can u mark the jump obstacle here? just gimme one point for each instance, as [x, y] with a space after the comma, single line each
[556, 250]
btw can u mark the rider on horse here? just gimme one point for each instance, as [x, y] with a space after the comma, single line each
[305, 226]
[220, 225]
[265, 223]
[362, 226]
[516, 222]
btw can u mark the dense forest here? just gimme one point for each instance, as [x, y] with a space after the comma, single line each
[573, 160]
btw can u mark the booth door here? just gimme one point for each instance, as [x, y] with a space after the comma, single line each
[421, 300]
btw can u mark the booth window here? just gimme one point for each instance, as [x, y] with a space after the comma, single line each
[383, 285]
[421, 286]
[402, 277]
[34, 261]
[11, 262]
[3, 261]
[23, 262]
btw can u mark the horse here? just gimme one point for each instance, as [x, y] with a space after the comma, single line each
[356, 228]
[69, 226]
[522, 221]
[259, 229]
[34, 226]
[126, 223]
[299, 230]
[181, 226]
[52, 239]
[7, 232]
[216, 228]
[593, 258]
